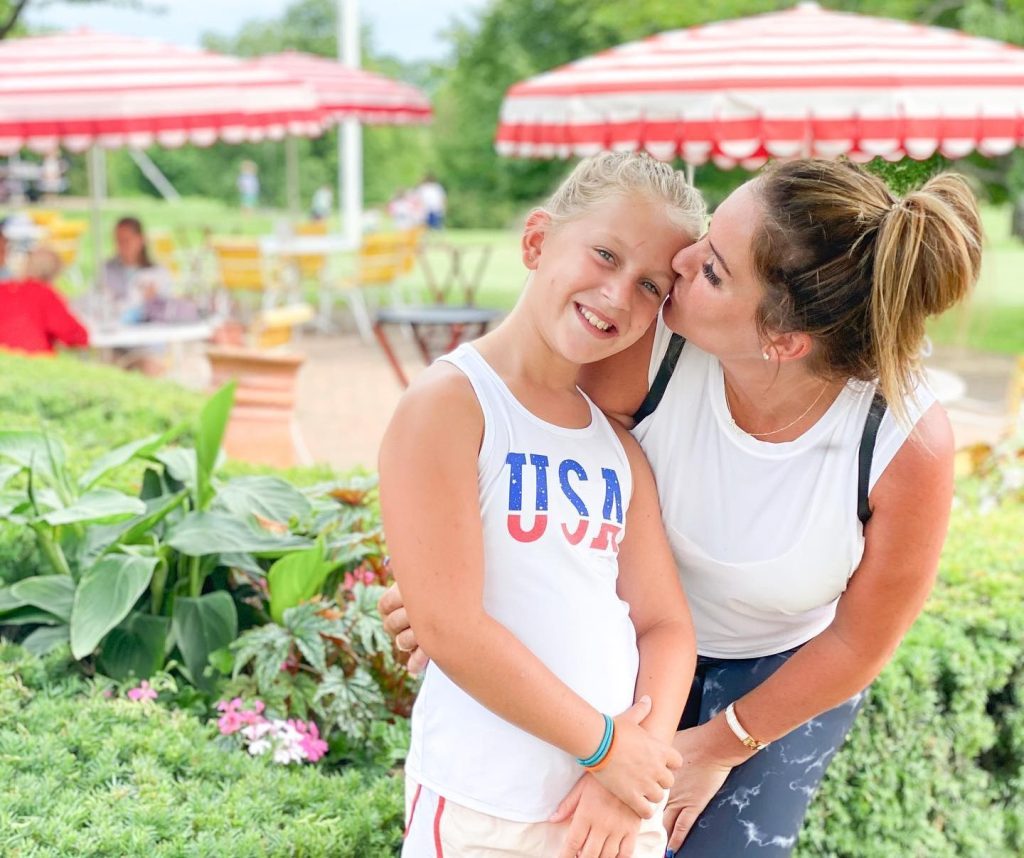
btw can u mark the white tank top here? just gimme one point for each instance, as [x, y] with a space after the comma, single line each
[766, 536]
[553, 506]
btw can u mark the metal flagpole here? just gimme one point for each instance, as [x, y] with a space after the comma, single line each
[350, 134]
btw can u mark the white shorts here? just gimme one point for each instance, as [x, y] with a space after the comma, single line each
[437, 828]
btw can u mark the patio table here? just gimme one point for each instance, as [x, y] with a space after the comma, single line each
[106, 338]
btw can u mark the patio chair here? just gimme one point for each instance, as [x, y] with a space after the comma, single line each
[164, 248]
[380, 263]
[65, 237]
[44, 217]
[244, 274]
[311, 266]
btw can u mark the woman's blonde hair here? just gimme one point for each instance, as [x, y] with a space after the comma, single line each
[859, 270]
[42, 263]
[601, 177]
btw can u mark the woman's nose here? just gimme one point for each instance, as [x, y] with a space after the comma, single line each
[686, 262]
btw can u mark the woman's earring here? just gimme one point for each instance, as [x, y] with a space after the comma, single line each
[765, 355]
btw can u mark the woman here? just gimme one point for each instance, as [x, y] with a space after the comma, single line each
[135, 290]
[804, 473]
[34, 316]
[133, 285]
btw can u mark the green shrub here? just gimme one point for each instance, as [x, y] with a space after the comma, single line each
[933, 766]
[88, 776]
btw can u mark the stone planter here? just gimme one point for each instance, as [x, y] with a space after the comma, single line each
[262, 427]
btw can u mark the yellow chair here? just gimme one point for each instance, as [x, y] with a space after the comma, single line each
[164, 249]
[241, 266]
[65, 237]
[382, 259]
[44, 217]
[311, 266]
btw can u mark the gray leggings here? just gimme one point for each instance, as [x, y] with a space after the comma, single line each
[761, 806]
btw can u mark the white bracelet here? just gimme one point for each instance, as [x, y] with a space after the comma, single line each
[741, 734]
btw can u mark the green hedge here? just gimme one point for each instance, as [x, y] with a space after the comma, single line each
[934, 764]
[86, 776]
[92, 406]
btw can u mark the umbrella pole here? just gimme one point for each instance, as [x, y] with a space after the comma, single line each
[350, 139]
[96, 165]
[689, 174]
[291, 170]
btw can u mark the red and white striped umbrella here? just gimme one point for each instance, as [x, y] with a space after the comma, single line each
[803, 81]
[76, 89]
[353, 93]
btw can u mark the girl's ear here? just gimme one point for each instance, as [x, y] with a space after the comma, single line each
[537, 224]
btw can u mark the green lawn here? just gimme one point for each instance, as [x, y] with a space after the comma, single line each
[993, 320]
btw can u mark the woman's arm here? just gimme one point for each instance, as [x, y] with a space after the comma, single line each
[61, 324]
[911, 504]
[430, 505]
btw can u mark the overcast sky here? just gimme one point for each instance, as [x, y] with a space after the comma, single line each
[407, 29]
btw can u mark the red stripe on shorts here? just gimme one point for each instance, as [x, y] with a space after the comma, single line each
[412, 810]
[437, 827]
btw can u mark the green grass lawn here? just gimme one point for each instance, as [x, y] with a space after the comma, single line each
[993, 320]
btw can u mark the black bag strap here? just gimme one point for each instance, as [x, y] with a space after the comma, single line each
[661, 380]
[867, 452]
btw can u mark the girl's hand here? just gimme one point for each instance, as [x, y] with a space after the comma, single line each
[602, 826]
[700, 777]
[639, 767]
[396, 624]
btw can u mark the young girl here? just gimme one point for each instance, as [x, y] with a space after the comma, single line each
[525, 532]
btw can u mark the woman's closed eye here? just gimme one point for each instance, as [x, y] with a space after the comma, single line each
[708, 270]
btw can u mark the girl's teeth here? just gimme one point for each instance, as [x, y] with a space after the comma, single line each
[594, 320]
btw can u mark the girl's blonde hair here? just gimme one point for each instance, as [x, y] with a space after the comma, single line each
[842, 259]
[601, 177]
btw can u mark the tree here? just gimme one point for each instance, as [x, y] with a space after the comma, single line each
[511, 40]
[12, 10]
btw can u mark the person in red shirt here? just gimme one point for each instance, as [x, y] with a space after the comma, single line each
[33, 314]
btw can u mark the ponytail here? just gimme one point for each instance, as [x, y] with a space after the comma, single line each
[927, 257]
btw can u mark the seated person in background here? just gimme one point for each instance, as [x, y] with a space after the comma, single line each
[33, 314]
[134, 288]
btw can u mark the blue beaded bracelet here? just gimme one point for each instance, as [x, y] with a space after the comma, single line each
[602, 749]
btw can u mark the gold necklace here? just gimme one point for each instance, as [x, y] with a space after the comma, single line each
[805, 412]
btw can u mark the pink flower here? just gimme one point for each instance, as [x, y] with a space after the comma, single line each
[312, 745]
[230, 722]
[254, 715]
[225, 706]
[235, 717]
[144, 692]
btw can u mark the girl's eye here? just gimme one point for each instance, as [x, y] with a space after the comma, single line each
[709, 272]
[651, 287]
[604, 254]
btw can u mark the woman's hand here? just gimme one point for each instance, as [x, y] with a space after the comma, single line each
[639, 767]
[700, 777]
[602, 826]
[396, 624]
